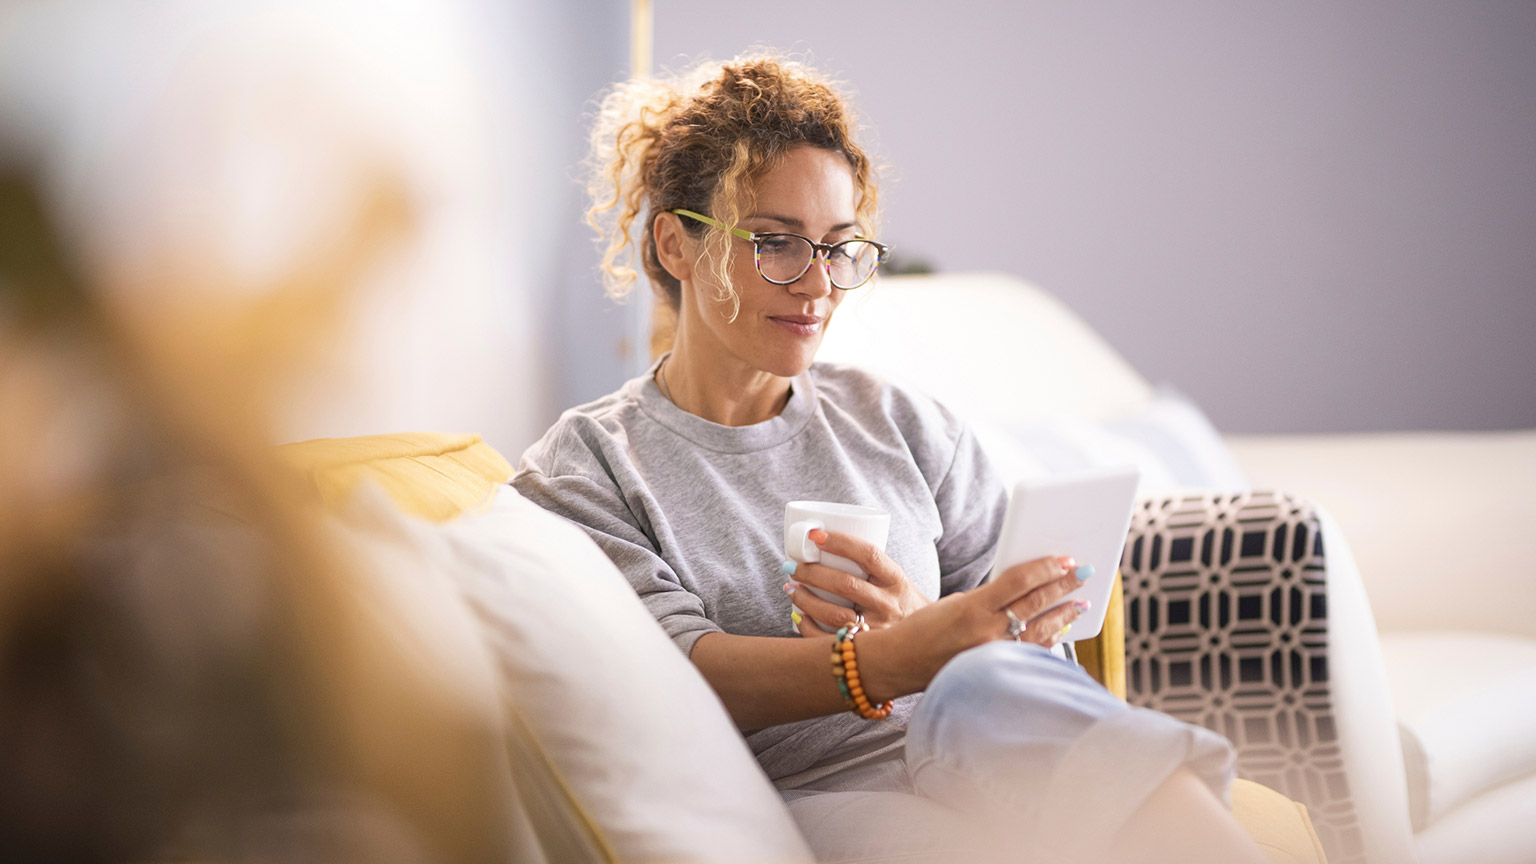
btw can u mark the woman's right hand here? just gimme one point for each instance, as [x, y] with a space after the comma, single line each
[902, 659]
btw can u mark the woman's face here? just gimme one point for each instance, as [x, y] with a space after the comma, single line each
[779, 327]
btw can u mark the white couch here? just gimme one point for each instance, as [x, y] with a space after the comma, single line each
[617, 748]
[1443, 528]
[1430, 630]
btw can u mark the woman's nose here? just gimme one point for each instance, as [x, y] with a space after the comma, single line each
[817, 281]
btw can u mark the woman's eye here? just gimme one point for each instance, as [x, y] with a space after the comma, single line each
[777, 245]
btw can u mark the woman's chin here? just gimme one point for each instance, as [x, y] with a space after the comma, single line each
[793, 362]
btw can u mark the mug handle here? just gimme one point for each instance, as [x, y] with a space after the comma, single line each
[800, 542]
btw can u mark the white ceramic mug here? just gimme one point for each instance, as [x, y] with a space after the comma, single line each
[803, 517]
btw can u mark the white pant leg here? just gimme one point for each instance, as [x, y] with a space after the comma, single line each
[1030, 742]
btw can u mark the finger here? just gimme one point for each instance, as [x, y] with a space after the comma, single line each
[805, 624]
[881, 569]
[845, 585]
[1045, 596]
[827, 613]
[1046, 628]
[1020, 579]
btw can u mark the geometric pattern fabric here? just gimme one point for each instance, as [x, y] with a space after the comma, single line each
[1227, 627]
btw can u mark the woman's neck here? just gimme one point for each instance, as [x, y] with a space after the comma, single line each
[721, 390]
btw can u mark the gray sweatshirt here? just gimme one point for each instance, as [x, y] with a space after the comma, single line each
[692, 513]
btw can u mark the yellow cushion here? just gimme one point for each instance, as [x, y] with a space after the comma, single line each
[1279, 825]
[432, 475]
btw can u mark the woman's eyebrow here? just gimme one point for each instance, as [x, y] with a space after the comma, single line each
[796, 224]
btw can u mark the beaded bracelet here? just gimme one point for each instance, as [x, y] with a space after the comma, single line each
[845, 667]
[839, 671]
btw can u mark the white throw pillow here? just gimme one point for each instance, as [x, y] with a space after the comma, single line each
[633, 733]
[1044, 394]
[1170, 440]
[988, 345]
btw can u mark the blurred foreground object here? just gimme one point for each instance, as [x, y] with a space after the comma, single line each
[195, 663]
[197, 155]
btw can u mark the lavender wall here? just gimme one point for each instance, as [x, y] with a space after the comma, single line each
[1307, 216]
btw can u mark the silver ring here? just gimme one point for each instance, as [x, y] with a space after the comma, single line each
[1015, 625]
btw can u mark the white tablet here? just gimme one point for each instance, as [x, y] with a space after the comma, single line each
[1082, 515]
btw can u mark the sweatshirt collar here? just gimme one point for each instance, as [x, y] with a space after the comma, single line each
[727, 439]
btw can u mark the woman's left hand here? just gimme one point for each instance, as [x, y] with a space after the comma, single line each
[885, 598]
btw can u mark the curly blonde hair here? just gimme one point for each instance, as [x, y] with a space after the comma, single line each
[698, 140]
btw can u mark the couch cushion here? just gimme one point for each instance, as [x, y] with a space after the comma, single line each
[641, 747]
[429, 651]
[1493, 828]
[1466, 708]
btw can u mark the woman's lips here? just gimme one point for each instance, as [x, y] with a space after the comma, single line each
[800, 325]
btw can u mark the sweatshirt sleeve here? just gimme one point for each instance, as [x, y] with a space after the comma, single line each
[972, 502]
[585, 482]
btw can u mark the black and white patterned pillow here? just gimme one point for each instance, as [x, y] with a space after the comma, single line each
[1227, 627]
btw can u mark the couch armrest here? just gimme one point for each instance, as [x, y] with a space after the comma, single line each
[1434, 519]
[1244, 615]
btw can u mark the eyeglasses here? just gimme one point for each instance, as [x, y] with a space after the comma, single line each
[782, 258]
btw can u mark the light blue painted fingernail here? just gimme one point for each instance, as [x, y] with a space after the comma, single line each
[1084, 573]
[788, 567]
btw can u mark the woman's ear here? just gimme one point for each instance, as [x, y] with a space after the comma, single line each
[672, 246]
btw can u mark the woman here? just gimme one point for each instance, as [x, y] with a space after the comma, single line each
[759, 213]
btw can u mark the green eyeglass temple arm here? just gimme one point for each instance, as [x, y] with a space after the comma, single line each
[714, 223]
[748, 235]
